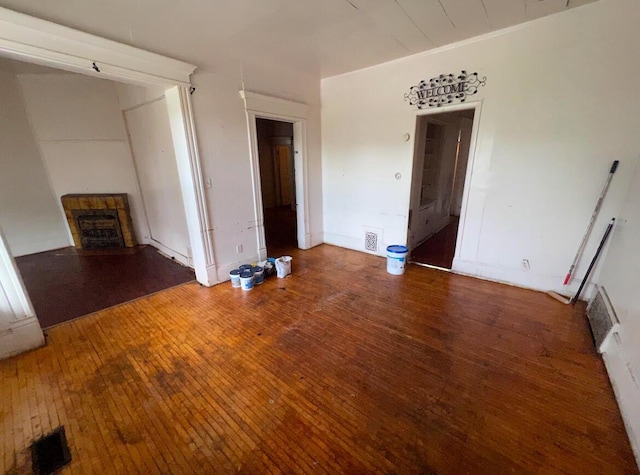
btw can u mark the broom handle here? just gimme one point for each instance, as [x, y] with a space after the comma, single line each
[592, 221]
[593, 261]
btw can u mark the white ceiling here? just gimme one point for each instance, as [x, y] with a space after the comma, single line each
[318, 37]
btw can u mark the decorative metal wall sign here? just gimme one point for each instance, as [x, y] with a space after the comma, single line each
[444, 89]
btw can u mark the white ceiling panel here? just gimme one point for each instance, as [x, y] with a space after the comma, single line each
[468, 16]
[308, 37]
[504, 13]
[430, 17]
[539, 8]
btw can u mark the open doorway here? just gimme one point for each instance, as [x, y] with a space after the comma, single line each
[73, 213]
[277, 183]
[443, 142]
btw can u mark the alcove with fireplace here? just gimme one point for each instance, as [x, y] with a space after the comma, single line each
[90, 191]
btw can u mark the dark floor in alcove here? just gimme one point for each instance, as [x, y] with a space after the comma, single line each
[280, 229]
[439, 249]
[64, 284]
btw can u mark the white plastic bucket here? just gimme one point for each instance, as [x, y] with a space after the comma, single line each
[396, 259]
[283, 266]
[258, 275]
[246, 279]
[235, 278]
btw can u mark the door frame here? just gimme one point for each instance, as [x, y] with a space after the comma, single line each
[260, 106]
[30, 39]
[476, 106]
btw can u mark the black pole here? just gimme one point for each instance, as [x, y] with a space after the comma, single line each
[593, 261]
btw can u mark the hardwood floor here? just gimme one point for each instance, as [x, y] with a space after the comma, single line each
[86, 281]
[440, 248]
[339, 368]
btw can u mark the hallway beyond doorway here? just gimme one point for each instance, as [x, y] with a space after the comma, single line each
[439, 249]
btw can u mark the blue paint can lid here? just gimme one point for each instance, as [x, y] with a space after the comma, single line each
[257, 269]
[245, 267]
[397, 248]
[235, 272]
[247, 273]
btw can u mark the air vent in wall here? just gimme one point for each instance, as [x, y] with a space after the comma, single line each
[602, 319]
[371, 242]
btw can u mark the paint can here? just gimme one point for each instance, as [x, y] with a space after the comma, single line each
[258, 275]
[396, 259]
[283, 266]
[235, 278]
[246, 279]
[245, 267]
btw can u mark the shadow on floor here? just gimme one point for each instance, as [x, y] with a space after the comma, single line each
[64, 284]
[439, 249]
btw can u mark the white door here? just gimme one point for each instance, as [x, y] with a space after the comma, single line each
[155, 161]
[466, 126]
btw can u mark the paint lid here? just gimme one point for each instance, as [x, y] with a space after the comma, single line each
[272, 260]
[397, 248]
[258, 269]
[234, 272]
[245, 267]
[246, 274]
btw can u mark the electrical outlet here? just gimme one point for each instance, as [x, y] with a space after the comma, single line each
[208, 183]
[525, 264]
[239, 249]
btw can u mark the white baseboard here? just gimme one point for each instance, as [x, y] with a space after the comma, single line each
[626, 386]
[355, 244]
[21, 336]
[519, 277]
[181, 258]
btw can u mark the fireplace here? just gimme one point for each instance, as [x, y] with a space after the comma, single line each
[99, 221]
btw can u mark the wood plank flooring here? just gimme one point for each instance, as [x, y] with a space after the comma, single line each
[339, 368]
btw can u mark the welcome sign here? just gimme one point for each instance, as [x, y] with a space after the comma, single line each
[444, 89]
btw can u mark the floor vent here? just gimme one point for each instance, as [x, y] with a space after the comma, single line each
[51, 452]
[602, 318]
[371, 241]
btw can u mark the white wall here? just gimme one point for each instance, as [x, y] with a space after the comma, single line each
[221, 128]
[621, 278]
[554, 115]
[79, 127]
[28, 212]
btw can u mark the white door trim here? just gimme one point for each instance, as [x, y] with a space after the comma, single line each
[19, 327]
[476, 106]
[259, 106]
[34, 40]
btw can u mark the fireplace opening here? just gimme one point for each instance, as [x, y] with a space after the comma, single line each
[99, 221]
[99, 229]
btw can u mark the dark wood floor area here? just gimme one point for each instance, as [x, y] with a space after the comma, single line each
[440, 248]
[339, 368]
[280, 229]
[66, 283]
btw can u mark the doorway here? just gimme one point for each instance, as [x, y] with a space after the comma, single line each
[277, 183]
[443, 142]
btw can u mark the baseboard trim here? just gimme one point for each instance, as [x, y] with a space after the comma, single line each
[20, 337]
[626, 388]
